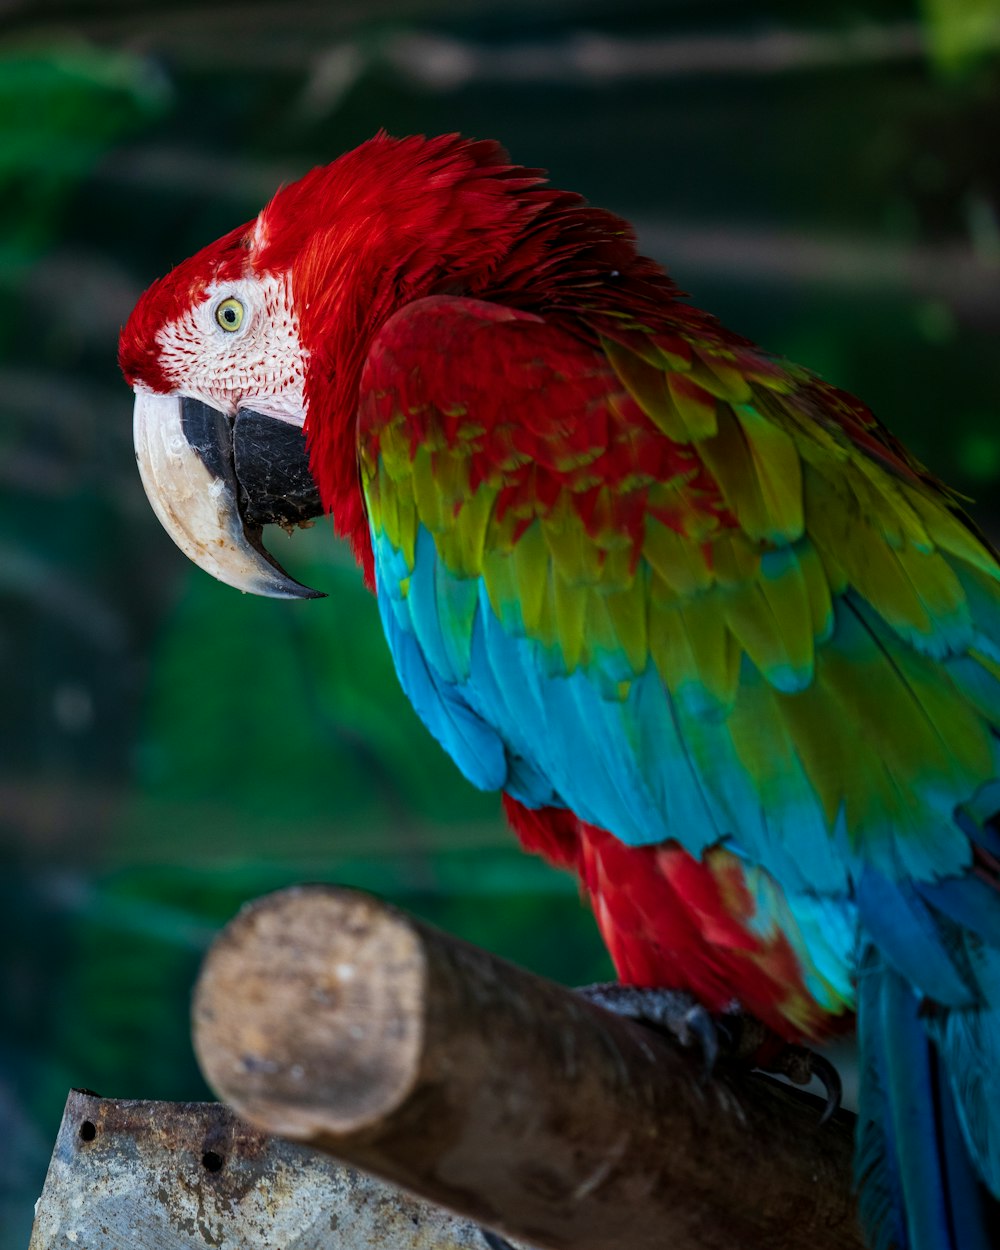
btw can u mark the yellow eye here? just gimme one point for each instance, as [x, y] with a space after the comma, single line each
[230, 314]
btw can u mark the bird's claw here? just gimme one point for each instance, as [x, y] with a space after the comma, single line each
[671, 1011]
[799, 1065]
[732, 1035]
[698, 1028]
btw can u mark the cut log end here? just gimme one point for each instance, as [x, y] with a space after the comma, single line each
[308, 1016]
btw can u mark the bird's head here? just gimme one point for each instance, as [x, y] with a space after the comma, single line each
[254, 347]
[214, 354]
[222, 330]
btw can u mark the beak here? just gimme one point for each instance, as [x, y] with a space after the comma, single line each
[215, 481]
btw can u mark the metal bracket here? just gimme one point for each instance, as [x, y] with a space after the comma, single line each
[183, 1176]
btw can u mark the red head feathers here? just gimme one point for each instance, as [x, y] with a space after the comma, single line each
[341, 250]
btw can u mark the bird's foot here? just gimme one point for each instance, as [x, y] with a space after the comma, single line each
[731, 1035]
[674, 1012]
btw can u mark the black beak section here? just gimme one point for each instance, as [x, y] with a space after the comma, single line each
[272, 468]
[214, 482]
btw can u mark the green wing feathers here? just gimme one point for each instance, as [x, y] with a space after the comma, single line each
[692, 510]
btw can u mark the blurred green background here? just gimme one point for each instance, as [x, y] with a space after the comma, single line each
[824, 177]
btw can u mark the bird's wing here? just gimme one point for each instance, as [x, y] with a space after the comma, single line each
[689, 593]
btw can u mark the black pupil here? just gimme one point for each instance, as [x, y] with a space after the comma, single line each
[229, 315]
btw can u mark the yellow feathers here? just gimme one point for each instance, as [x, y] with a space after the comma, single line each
[676, 404]
[725, 538]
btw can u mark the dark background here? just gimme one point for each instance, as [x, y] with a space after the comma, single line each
[824, 177]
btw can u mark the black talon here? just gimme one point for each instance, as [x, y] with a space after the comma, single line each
[799, 1065]
[829, 1078]
[703, 1029]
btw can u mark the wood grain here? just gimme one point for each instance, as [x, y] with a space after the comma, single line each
[333, 1019]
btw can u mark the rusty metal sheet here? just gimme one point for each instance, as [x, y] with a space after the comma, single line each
[183, 1176]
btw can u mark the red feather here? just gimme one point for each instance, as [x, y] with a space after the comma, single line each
[669, 919]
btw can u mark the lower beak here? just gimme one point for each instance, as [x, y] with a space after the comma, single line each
[215, 481]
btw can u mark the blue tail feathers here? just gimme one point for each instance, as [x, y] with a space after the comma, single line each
[918, 1166]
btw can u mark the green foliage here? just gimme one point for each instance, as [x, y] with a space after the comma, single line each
[978, 452]
[962, 33]
[70, 104]
[295, 709]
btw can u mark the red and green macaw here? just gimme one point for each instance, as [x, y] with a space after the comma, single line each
[730, 653]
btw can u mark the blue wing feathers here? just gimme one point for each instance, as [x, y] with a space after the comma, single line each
[648, 769]
[906, 932]
[969, 1043]
[911, 1152]
[463, 734]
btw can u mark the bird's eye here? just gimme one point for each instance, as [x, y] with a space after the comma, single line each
[230, 313]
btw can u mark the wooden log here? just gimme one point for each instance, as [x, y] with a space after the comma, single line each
[330, 1018]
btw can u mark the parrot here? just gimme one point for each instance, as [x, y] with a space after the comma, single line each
[727, 650]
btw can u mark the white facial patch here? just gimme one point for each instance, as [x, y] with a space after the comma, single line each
[259, 365]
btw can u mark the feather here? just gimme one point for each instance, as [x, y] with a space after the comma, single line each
[467, 737]
[426, 492]
[695, 655]
[608, 664]
[818, 590]
[678, 561]
[628, 610]
[983, 597]
[906, 933]
[648, 387]
[640, 342]
[912, 1156]
[574, 553]
[695, 406]
[948, 532]
[969, 1042]
[763, 491]
[721, 378]
[462, 543]
[569, 610]
[457, 600]
[676, 350]
[531, 570]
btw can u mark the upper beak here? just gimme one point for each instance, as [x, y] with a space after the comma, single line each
[215, 481]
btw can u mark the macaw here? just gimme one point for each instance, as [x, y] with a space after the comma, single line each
[728, 651]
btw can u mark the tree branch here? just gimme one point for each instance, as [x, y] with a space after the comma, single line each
[330, 1018]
